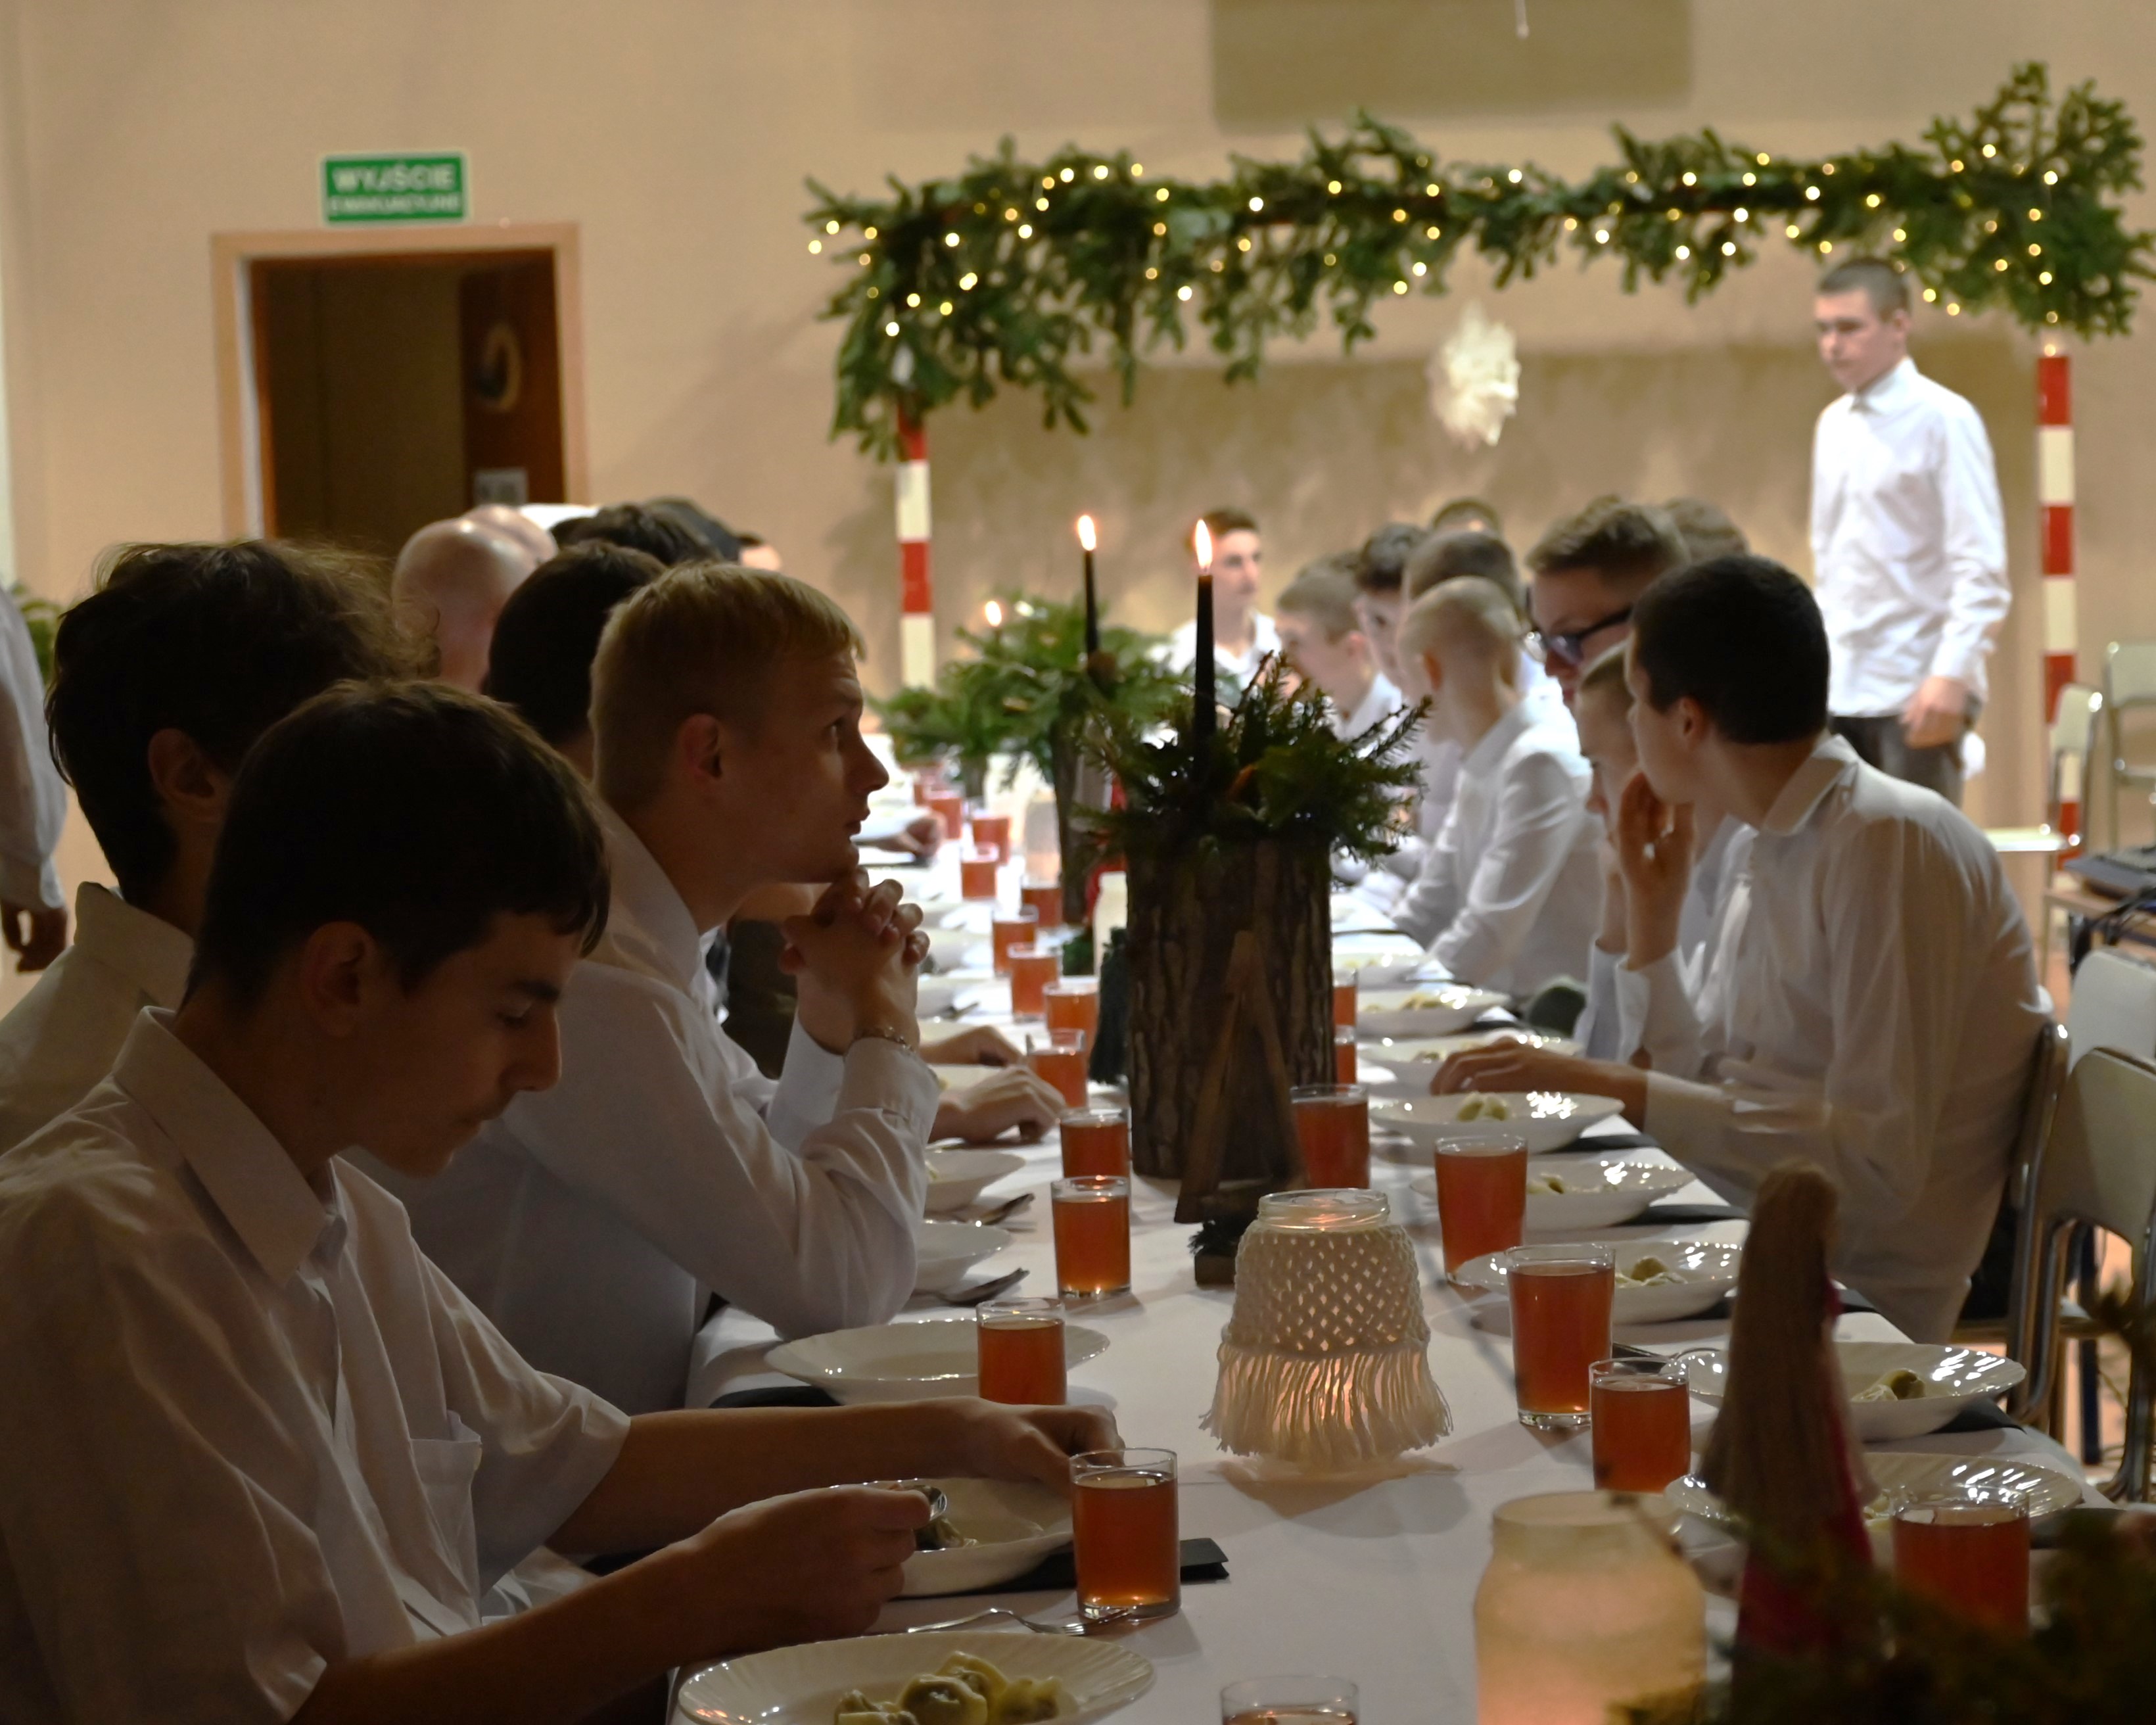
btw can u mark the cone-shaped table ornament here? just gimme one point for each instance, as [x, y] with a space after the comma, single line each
[1325, 1364]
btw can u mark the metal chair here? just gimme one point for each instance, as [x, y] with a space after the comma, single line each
[2073, 732]
[2113, 1006]
[2129, 681]
[2094, 1167]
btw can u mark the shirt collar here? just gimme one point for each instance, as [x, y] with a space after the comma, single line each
[1828, 763]
[1886, 392]
[146, 950]
[254, 1185]
[647, 911]
[1494, 742]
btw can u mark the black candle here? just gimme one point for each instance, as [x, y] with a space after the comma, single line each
[1092, 599]
[1203, 701]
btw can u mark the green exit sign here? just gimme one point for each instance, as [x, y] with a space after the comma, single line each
[394, 188]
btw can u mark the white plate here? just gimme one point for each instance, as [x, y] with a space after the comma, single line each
[956, 1178]
[957, 949]
[801, 1685]
[1450, 1007]
[1953, 1377]
[1548, 1119]
[905, 1361]
[1013, 1525]
[1414, 1060]
[1614, 1188]
[944, 1251]
[933, 996]
[1912, 1470]
[1705, 1270]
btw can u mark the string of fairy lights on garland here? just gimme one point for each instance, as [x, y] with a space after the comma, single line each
[1012, 273]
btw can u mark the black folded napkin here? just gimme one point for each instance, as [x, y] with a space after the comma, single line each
[1676, 1214]
[777, 1395]
[1981, 1416]
[1202, 1561]
[1589, 1143]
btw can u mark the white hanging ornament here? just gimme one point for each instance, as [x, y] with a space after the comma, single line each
[1475, 379]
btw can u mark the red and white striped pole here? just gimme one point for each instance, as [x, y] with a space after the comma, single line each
[2055, 494]
[917, 595]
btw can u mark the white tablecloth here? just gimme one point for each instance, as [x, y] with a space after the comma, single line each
[1370, 1577]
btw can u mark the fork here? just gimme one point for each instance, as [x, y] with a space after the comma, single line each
[1085, 1626]
[1004, 1211]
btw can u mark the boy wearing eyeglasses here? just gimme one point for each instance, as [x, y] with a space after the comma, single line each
[1589, 571]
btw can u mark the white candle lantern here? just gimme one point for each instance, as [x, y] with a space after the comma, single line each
[1325, 1362]
[1586, 1606]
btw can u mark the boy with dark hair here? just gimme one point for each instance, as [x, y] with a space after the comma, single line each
[1881, 1003]
[1467, 515]
[259, 1460]
[1589, 571]
[1242, 634]
[1706, 529]
[1323, 640]
[637, 527]
[1443, 557]
[163, 678]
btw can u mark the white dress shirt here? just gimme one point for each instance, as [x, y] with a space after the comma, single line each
[1510, 896]
[590, 1221]
[33, 799]
[1881, 1012]
[1661, 1008]
[249, 1431]
[1378, 705]
[1238, 668]
[1908, 541]
[62, 1037]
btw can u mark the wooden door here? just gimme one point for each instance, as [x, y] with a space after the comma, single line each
[509, 345]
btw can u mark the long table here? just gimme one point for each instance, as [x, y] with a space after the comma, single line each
[1371, 1576]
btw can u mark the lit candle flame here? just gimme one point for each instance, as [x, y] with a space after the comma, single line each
[1203, 540]
[994, 613]
[1085, 531]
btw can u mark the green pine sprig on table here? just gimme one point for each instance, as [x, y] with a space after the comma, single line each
[1273, 768]
[1012, 274]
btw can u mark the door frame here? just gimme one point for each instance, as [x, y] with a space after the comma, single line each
[239, 402]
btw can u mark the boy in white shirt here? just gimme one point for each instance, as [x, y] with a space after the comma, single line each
[1881, 1005]
[179, 658]
[593, 1223]
[258, 1460]
[1242, 634]
[1323, 641]
[1508, 893]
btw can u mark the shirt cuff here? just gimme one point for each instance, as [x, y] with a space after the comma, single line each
[889, 1078]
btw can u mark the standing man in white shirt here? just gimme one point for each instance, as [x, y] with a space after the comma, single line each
[259, 1461]
[1881, 1006]
[1908, 541]
[1242, 634]
[593, 1223]
[1509, 893]
[163, 678]
[1325, 645]
[33, 804]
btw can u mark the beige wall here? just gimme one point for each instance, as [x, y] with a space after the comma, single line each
[677, 133]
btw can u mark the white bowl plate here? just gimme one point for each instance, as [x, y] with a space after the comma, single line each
[944, 1251]
[1013, 1525]
[1610, 1189]
[1548, 1119]
[1912, 1470]
[956, 1178]
[1433, 1009]
[1953, 1379]
[951, 950]
[1704, 1270]
[905, 1361]
[801, 1685]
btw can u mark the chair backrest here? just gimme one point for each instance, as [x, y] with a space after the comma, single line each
[2129, 673]
[2113, 1006]
[2076, 724]
[2099, 1163]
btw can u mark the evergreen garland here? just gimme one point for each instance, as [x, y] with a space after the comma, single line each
[1009, 273]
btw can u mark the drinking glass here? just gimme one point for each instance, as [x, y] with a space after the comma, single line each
[992, 832]
[1481, 1193]
[1967, 1550]
[1092, 1220]
[1046, 898]
[1343, 1000]
[1642, 1414]
[951, 806]
[1561, 1297]
[1343, 1057]
[1021, 1352]
[1290, 1700]
[1074, 1003]
[1333, 1122]
[1061, 1060]
[977, 875]
[1033, 968]
[1012, 928]
[1124, 1533]
[1097, 1141]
